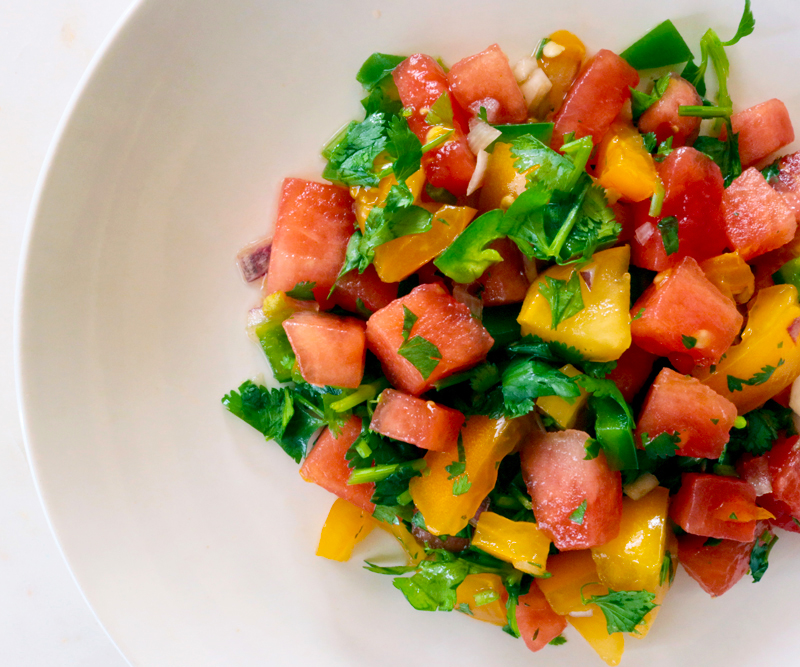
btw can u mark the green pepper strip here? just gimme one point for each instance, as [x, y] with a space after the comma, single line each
[613, 429]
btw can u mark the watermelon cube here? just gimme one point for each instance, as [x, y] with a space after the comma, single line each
[716, 566]
[663, 118]
[358, 292]
[784, 469]
[507, 281]
[330, 350]
[757, 218]
[762, 130]
[632, 370]
[443, 339]
[788, 183]
[538, 623]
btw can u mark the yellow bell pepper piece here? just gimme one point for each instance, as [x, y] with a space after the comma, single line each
[520, 543]
[601, 331]
[414, 550]
[502, 184]
[483, 586]
[731, 275]
[564, 413]
[366, 198]
[571, 572]
[561, 69]
[399, 258]
[486, 442]
[661, 591]
[345, 527]
[766, 342]
[624, 164]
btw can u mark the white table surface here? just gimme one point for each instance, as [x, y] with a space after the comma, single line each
[45, 48]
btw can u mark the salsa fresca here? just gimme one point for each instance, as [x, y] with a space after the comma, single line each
[540, 322]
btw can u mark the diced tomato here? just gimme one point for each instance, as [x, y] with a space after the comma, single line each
[757, 218]
[755, 471]
[784, 468]
[715, 566]
[420, 82]
[683, 312]
[326, 465]
[538, 623]
[367, 288]
[703, 499]
[680, 404]
[577, 502]
[663, 118]
[486, 80]
[632, 370]
[624, 213]
[693, 188]
[781, 511]
[422, 423]
[762, 130]
[595, 98]
[315, 222]
[330, 350]
[506, 281]
[460, 339]
[789, 181]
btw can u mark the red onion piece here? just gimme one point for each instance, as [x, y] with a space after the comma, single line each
[253, 259]
[794, 329]
[588, 277]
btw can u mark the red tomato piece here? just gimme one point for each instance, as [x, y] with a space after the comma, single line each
[782, 512]
[330, 350]
[762, 130]
[693, 188]
[577, 502]
[486, 80]
[506, 281]
[680, 404]
[326, 466]
[789, 181]
[784, 468]
[315, 222]
[422, 423]
[632, 370]
[703, 498]
[683, 302]
[716, 567]
[595, 98]
[755, 471]
[420, 82]
[538, 623]
[663, 119]
[461, 340]
[366, 287]
[757, 218]
[625, 215]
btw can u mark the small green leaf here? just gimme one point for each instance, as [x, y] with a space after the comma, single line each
[638, 315]
[564, 297]
[422, 354]
[578, 514]
[688, 341]
[669, 234]
[461, 485]
[441, 112]
[759, 556]
[302, 291]
[558, 641]
[409, 319]
[662, 446]
[737, 384]
[624, 610]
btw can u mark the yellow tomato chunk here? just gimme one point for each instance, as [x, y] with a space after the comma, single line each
[731, 275]
[624, 164]
[482, 593]
[562, 411]
[501, 182]
[345, 527]
[414, 550]
[520, 543]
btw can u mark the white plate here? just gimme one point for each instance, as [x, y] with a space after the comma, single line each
[192, 539]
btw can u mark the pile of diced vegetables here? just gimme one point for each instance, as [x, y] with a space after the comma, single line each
[541, 325]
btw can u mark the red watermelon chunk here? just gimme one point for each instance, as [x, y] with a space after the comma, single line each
[330, 350]
[414, 420]
[326, 465]
[762, 130]
[315, 222]
[682, 308]
[461, 340]
[595, 98]
[784, 468]
[505, 282]
[680, 404]
[663, 118]
[632, 370]
[486, 80]
[693, 187]
[577, 502]
[716, 566]
[359, 291]
[715, 506]
[789, 181]
[538, 623]
[757, 218]
[420, 82]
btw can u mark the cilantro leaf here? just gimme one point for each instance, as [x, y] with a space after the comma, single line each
[746, 25]
[351, 158]
[461, 485]
[662, 446]
[441, 111]
[564, 297]
[376, 68]
[433, 586]
[759, 556]
[667, 570]
[650, 141]
[579, 513]
[762, 429]
[558, 641]
[525, 380]
[403, 145]
[624, 610]
[669, 234]
[467, 257]
[422, 354]
[772, 172]
[459, 466]
[688, 341]
[302, 291]
[724, 153]
[737, 384]
[641, 101]
[409, 319]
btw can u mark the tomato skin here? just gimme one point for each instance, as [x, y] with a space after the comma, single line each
[693, 194]
[538, 623]
[715, 567]
[595, 98]
[420, 81]
[703, 497]
[486, 79]
[663, 119]
[784, 468]
[677, 403]
[632, 370]
[762, 130]
[560, 479]
[326, 466]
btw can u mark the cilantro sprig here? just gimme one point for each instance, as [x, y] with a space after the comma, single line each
[624, 610]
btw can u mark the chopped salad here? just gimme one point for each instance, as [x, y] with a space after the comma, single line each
[540, 323]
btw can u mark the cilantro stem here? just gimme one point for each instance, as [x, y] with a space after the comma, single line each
[433, 143]
[563, 233]
[363, 449]
[380, 472]
[705, 112]
[364, 393]
[404, 498]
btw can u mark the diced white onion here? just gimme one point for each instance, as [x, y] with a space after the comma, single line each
[480, 171]
[489, 104]
[644, 233]
[254, 318]
[524, 68]
[641, 486]
[536, 88]
[582, 614]
[552, 49]
[481, 135]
